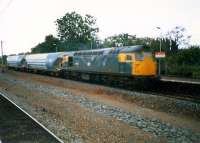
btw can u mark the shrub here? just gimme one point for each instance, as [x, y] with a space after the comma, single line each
[184, 63]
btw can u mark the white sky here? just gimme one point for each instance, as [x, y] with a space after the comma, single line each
[25, 23]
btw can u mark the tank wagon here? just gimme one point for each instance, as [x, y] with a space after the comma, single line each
[44, 62]
[121, 63]
[47, 62]
[16, 61]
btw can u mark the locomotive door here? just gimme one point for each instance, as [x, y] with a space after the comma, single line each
[70, 61]
[122, 67]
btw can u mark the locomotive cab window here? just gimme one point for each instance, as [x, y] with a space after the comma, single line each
[128, 57]
[139, 56]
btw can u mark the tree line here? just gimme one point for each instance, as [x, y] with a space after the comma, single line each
[77, 32]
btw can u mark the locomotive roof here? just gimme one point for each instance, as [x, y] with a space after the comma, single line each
[127, 49]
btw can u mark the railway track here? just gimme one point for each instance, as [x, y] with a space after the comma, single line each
[178, 90]
[17, 126]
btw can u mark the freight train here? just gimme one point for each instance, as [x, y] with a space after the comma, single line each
[122, 64]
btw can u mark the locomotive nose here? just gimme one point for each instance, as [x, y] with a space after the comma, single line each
[144, 66]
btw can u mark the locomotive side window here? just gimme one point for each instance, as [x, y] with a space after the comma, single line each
[139, 56]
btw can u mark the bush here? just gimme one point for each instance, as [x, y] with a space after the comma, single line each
[184, 71]
[196, 73]
[184, 63]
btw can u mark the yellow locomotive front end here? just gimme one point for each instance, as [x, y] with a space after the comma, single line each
[144, 65]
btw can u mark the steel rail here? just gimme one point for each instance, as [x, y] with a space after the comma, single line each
[32, 118]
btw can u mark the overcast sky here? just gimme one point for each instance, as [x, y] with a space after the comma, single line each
[25, 23]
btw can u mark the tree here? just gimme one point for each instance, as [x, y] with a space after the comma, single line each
[131, 40]
[166, 44]
[178, 38]
[4, 60]
[120, 40]
[74, 28]
[51, 44]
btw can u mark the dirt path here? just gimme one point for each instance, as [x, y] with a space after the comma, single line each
[75, 120]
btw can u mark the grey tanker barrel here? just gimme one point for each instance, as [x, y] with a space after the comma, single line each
[36, 61]
[46, 61]
[16, 61]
